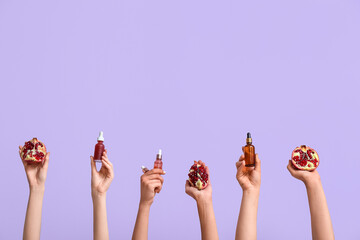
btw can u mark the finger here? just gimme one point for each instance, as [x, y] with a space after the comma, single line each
[158, 189]
[155, 176]
[105, 158]
[46, 160]
[257, 163]
[242, 166]
[155, 171]
[20, 148]
[207, 170]
[155, 186]
[290, 168]
[106, 165]
[242, 157]
[92, 163]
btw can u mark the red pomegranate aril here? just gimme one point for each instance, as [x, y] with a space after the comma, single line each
[33, 151]
[305, 158]
[197, 176]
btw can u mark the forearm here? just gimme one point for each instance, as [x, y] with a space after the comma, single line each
[32, 224]
[207, 220]
[100, 227]
[142, 222]
[320, 217]
[246, 226]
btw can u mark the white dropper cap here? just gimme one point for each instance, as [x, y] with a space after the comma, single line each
[159, 153]
[101, 137]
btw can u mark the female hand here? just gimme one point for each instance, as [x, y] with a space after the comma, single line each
[199, 195]
[36, 172]
[151, 183]
[100, 181]
[249, 178]
[305, 176]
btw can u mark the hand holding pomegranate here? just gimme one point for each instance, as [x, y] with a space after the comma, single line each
[151, 183]
[36, 172]
[307, 177]
[198, 185]
[101, 180]
[249, 178]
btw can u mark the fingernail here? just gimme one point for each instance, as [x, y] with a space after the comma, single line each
[164, 172]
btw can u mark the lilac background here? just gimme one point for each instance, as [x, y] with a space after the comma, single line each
[190, 77]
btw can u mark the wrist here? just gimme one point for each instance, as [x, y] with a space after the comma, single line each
[312, 182]
[203, 200]
[251, 191]
[97, 195]
[37, 189]
[145, 204]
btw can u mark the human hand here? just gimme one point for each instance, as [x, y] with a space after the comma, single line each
[36, 172]
[305, 176]
[101, 180]
[200, 195]
[249, 178]
[151, 183]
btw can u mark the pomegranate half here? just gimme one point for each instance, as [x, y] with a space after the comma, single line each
[33, 151]
[305, 158]
[198, 176]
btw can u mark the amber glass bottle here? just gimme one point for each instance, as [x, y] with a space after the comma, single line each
[249, 151]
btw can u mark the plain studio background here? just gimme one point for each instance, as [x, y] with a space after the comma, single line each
[191, 78]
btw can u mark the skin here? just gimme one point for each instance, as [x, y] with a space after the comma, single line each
[205, 208]
[321, 225]
[151, 184]
[100, 183]
[249, 179]
[36, 175]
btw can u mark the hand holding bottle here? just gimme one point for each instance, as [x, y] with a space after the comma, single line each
[249, 178]
[100, 181]
[151, 183]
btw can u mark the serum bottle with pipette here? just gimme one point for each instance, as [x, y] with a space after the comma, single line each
[99, 148]
[249, 151]
[158, 162]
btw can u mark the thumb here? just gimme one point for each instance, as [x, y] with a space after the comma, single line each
[257, 163]
[92, 163]
[46, 160]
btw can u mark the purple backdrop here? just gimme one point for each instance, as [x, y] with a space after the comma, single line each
[190, 77]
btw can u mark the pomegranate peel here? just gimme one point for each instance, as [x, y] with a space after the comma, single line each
[305, 158]
[33, 151]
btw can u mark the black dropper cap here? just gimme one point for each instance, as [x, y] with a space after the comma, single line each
[248, 135]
